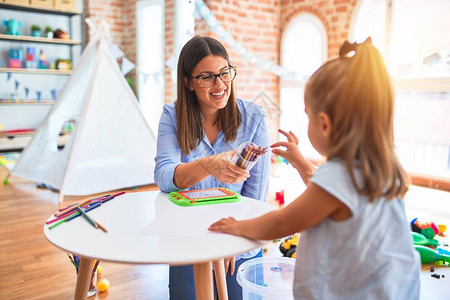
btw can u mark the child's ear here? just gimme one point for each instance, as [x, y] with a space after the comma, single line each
[325, 124]
[188, 84]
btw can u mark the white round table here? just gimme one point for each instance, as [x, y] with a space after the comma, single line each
[147, 228]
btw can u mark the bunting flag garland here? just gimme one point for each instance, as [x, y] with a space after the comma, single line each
[127, 66]
[197, 15]
[146, 76]
[18, 86]
[212, 22]
[171, 62]
[115, 51]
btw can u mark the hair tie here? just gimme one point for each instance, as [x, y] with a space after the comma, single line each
[347, 47]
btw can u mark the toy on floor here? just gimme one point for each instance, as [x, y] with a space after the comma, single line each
[103, 285]
[428, 255]
[289, 246]
[279, 197]
[428, 229]
[420, 239]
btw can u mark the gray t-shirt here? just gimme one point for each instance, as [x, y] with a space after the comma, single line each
[368, 256]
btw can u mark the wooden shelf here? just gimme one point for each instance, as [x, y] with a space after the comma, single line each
[27, 102]
[21, 133]
[36, 71]
[33, 39]
[38, 9]
[30, 132]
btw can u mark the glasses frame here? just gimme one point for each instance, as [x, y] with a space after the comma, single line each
[216, 76]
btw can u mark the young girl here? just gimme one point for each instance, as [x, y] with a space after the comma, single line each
[196, 132]
[355, 241]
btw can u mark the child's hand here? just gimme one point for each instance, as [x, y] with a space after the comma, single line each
[226, 225]
[291, 154]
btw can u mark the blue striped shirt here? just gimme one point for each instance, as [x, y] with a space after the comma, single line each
[169, 155]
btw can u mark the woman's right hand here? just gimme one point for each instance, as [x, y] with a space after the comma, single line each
[220, 167]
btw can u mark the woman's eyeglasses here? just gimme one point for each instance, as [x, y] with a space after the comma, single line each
[209, 79]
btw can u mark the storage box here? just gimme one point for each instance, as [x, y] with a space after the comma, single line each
[268, 278]
[65, 4]
[16, 1]
[42, 3]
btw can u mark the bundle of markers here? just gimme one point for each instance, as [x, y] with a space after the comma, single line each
[73, 211]
[75, 259]
[248, 155]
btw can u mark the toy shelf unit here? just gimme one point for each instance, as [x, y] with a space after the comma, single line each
[40, 41]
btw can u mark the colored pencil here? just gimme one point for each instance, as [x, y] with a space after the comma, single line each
[72, 207]
[100, 225]
[87, 217]
[112, 197]
[71, 213]
[77, 214]
[57, 223]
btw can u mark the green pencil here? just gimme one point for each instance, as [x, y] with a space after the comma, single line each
[58, 223]
[87, 217]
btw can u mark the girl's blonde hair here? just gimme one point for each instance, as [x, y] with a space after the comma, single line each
[356, 93]
[189, 119]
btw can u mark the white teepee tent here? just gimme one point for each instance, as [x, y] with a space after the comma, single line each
[111, 146]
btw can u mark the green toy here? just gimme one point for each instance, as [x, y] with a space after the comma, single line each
[204, 197]
[420, 239]
[428, 255]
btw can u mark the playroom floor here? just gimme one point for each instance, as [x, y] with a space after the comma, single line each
[32, 268]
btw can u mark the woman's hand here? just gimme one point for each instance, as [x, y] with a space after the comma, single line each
[229, 264]
[220, 167]
[291, 154]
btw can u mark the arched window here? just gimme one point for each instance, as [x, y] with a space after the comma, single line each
[415, 43]
[303, 50]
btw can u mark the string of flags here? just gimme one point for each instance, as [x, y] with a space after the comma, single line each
[200, 11]
[248, 55]
[17, 84]
[126, 67]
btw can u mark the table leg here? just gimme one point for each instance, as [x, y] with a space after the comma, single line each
[203, 281]
[84, 277]
[221, 283]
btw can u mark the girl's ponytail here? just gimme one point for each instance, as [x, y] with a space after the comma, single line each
[360, 103]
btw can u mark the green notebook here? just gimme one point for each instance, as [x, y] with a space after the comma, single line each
[204, 197]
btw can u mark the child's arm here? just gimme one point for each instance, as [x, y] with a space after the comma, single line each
[304, 167]
[313, 206]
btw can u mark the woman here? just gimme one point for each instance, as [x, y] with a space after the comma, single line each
[196, 137]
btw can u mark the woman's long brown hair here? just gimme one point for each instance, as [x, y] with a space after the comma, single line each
[357, 94]
[189, 120]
